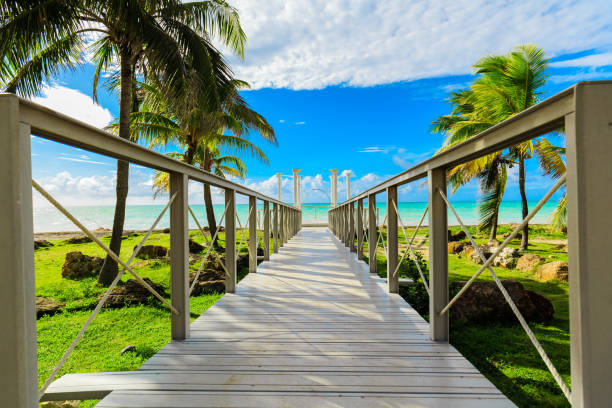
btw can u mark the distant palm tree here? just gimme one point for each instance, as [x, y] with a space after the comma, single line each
[200, 129]
[507, 85]
[38, 38]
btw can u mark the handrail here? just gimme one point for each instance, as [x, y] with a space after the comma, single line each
[52, 125]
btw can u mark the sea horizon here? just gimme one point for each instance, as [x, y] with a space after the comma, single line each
[141, 217]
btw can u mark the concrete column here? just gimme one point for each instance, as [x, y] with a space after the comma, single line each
[372, 232]
[252, 234]
[266, 231]
[360, 229]
[348, 185]
[280, 186]
[351, 217]
[179, 256]
[334, 187]
[230, 241]
[392, 250]
[275, 228]
[18, 377]
[438, 256]
[296, 188]
[588, 134]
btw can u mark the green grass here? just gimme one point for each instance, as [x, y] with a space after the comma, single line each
[503, 353]
[145, 326]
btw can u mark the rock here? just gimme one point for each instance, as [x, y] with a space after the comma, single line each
[60, 404]
[151, 252]
[457, 247]
[127, 349]
[459, 236]
[42, 243]
[483, 302]
[209, 281]
[166, 230]
[528, 261]
[553, 270]
[518, 236]
[242, 261]
[78, 266]
[79, 240]
[132, 293]
[561, 247]
[46, 306]
[194, 247]
[506, 258]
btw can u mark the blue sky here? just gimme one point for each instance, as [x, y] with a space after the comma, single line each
[349, 85]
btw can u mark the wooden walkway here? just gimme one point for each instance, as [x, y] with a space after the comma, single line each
[311, 329]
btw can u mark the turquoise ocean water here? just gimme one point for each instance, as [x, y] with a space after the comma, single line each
[140, 217]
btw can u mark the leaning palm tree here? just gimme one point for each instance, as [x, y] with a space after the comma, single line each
[202, 129]
[38, 38]
[507, 85]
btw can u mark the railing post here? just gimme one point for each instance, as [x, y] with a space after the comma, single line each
[345, 212]
[179, 256]
[392, 252]
[275, 228]
[360, 228]
[18, 377]
[351, 212]
[438, 255]
[266, 231]
[588, 133]
[230, 241]
[252, 234]
[282, 226]
[372, 237]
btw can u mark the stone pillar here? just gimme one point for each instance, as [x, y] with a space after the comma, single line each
[334, 187]
[296, 179]
[348, 185]
[280, 185]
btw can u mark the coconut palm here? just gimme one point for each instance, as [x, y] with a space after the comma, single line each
[202, 130]
[507, 85]
[38, 38]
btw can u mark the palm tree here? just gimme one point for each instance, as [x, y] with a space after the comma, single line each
[507, 85]
[39, 38]
[201, 128]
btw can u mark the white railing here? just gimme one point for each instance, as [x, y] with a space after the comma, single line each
[19, 119]
[584, 111]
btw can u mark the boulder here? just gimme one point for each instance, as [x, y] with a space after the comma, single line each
[457, 247]
[166, 230]
[151, 252]
[528, 261]
[459, 236]
[483, 302]
[46, 306]
[78, 266]
[553, 270]
[194, 247]
[209, 281]
[42, 243]
[506, 258]
[79, 240]
[132, 293]
[518, 236]
[561, 247]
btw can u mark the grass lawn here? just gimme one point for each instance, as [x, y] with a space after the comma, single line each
[503, 353]
[145, 326]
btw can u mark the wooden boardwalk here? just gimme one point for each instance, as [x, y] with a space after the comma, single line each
[311, 329]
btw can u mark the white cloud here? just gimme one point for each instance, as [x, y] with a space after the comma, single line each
[595, 60]
[300, 123]
[75, 104]
[311, 44]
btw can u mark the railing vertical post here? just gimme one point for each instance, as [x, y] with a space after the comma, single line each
[392, 251]
[230, 241]
[281, 231]
[266, 231]
[252, 234]
[345, 212]
[18, 377]
[438, 255]
[275, 229]
[360, 228]
[588, 134]
[372, 232]
[351, 217]
[179, 256]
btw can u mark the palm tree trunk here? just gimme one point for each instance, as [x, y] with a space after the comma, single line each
[208, 204]
[109, 268]
[524, 205]
[493, 235]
